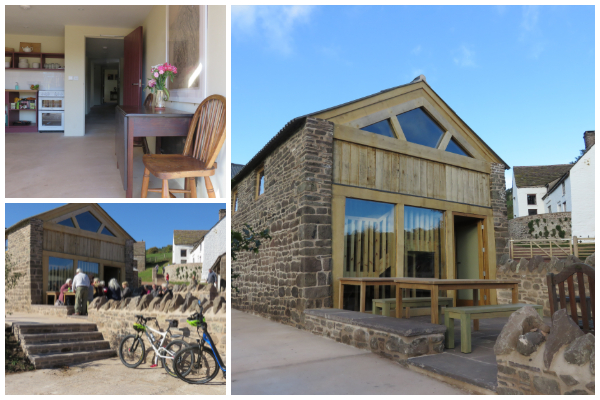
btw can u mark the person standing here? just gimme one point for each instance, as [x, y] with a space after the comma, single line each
[81, 283]
[167, 278]
[212, 277]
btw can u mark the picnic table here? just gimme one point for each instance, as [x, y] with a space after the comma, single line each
[434, 285]
[55, 296]
[363, 283]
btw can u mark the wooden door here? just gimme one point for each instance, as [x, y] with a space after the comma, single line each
[132, 69]
[484, 270]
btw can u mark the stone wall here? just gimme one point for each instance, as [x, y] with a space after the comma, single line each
[291, 272]
[524, 228]
[531, 274]
[534, 358]
[115, 319]
[139, 254]
[500, 212]
[129, 276]
[189, 269]
[55, 311]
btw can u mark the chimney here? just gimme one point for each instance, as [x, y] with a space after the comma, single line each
[589, 139]
[222, 214]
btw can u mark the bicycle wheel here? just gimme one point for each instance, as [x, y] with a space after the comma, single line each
[170, 350]
[192, 368]
[132, 351]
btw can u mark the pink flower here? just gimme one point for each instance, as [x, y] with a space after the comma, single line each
[151, 83]
[161, 68]
[174, 70]
[156, 74]
[161, 72]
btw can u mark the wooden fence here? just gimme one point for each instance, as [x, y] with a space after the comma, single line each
[547, 248]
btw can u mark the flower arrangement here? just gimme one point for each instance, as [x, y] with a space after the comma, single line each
[160, 74]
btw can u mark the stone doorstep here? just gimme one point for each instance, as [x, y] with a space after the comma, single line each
[52, 328]
[402, 327]
[69, 347]
[60, 337]
[54, 360]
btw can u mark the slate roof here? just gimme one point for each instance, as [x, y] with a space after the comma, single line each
[187, 238]
[539, 175]
[235, 169]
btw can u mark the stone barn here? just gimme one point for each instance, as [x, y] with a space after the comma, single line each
[47, 249]
[390, 185]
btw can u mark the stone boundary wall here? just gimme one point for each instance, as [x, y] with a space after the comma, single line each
[115, 319]
[389, 345]
[534, 358]
[291, 272]
[531, 274]
[56, 311]
[499, 209]
[518, 228]
[183, 269]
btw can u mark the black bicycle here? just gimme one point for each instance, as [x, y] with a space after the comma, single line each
[132, 350]
[199, 363]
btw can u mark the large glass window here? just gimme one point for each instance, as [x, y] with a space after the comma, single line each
[369, 248]
[419, 128]
[59, 270]
[380, 128]
[88, 268]
[67, 222]
[105, 231]
[453, 147]
[88, 222]
[423, 245]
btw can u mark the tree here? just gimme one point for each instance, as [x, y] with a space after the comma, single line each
[246, 240]
[10, 277]
[581, 153]
[153, 250]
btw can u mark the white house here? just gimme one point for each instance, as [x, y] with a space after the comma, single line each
[210, 247]
[197, 250]
[183, 243]
[530, 185]
[574, 191]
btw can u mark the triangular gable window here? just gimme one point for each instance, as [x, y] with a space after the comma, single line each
[88, 222]
[455, 148]
[380, 128]
[67, 222]
[419, 128]
[105, 231]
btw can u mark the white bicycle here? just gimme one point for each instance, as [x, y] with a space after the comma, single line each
[132, 350]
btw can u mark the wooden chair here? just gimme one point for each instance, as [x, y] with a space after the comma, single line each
[141, 141]
[202, 146]
[559, 301]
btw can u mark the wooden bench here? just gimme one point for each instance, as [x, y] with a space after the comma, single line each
[407, 303]
[466, 314]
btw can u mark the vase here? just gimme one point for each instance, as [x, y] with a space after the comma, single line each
[159, 101]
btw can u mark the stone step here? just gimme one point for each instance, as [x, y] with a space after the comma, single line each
[61, 337]
[68, 347]
[57, 360]
[24, 329]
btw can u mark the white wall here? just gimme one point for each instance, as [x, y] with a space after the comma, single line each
[583, 196]
[196, 255]
[520, 207]
[177, 253]
[155, 44]
[557, 198]
[214, 246]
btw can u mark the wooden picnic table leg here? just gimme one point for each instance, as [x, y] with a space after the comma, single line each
[475, 303]
[341, 301]
[435, 318]
[363, 296]
[515, 293]
[398, 301]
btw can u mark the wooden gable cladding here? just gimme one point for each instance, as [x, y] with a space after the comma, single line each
[67, 243]
[375, 168]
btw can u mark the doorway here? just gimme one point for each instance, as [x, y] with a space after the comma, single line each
[469, 251]
[110, 273]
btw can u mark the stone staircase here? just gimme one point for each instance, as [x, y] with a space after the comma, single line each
[54, 345]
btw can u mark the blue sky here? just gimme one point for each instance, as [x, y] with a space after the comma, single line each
[151, 222]
[522, 77]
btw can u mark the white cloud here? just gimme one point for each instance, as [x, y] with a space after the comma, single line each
[465, 58]
[530, 17]
[275, 24]
[417, 50]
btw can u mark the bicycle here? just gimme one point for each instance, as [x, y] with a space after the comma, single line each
[132, 350]
[198, 364]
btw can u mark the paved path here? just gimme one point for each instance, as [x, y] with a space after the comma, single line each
[272, 358]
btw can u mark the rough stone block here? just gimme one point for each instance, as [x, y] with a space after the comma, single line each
[546, 385]
[569, 380]
[564, 331]
[521, 321]
[579, 351]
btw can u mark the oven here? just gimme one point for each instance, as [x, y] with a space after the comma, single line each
[51, 110]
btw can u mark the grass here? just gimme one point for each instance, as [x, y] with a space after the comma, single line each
[153, 258]
[14, 361]
[146, 275]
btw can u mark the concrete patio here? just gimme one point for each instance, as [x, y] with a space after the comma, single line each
[52, 165]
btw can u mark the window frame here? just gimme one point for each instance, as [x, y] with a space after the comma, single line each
[183, 253]
[534, 199]
[259, 171]
[234, 201]
[532, 211]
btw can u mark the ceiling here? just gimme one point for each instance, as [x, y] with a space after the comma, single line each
[51, 20]
[94, 48]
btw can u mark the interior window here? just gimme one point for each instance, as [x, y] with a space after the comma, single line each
[381, 128]
[453, 147]
[419, 128]
[67, 222]
[88, 222]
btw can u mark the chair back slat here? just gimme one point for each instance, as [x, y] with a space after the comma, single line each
[583, 301]
[585, 278]
[207, 130]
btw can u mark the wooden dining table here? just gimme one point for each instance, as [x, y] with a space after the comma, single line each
[363, 283]
[434, 285]
[141, 121]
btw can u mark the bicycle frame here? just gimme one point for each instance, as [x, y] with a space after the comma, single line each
[207, 339]
[152, 339]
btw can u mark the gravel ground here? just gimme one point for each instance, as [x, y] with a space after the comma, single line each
[108, 376]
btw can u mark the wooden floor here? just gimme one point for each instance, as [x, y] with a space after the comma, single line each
[49, 164]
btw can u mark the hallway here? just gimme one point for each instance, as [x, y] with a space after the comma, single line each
[52, 165]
